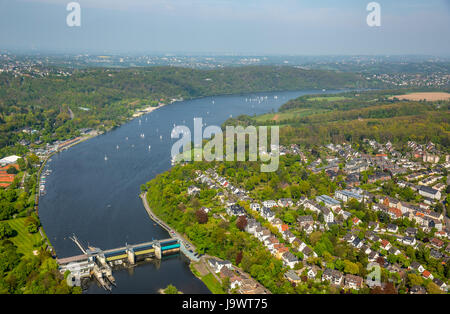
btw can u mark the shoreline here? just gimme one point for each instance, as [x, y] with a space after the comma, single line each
[140, 112]
[82, 139]
[162, 224]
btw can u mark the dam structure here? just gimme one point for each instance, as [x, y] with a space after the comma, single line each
[97, 263]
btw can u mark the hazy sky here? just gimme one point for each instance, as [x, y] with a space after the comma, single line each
[323, 27]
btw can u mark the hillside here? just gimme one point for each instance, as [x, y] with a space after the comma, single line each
[352, 116]
[58, 106]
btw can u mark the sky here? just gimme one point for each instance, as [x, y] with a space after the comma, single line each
[247, 27]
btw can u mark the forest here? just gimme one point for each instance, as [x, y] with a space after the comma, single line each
[57, 106]
[352, 116]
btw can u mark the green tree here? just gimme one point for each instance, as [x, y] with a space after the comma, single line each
[170, 289]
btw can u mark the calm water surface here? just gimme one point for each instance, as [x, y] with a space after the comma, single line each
[98, 199]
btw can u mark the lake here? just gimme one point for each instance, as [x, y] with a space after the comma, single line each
[97, 198]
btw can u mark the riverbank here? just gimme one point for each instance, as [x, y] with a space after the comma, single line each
[198, 266]
[97, 199]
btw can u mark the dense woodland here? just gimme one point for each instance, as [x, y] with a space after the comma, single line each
[353, 116]
[26, 265]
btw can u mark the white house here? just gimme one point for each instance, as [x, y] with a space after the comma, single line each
[269, 203]
[217, 265]
[289, 259]
[430, 192]
[255, 207]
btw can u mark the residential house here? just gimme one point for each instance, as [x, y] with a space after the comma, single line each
[312, 272]
[372, 257]
[193, 190]
[385, 244]
[417, 267]
[292, 276]
[328, 201]
[395, 213]
[442, 285]
[356, 221]
[305, 221]
[357, 243]
[266, 213]
[289, 259]
[288, 236]
[327, 214]
[271, 242]
[418, 290]
[255, 207]
[217, 265]
[373, 225]
[394, 251]
[335, 277]
[427, 275]
[269, 203]
[226, 272]
[438, 243]
[285, 202]
[353, 282]
[378, 176]
[408, 240]
[411, 232]
[392, 228]
[235, 210]
[298, 244]
[346, 195]
[264, 234]
[430, 192]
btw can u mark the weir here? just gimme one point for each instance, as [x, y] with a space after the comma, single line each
[98, 263]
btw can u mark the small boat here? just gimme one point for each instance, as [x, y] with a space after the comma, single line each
[106, 158]
[149, 147]
[117, 147]
[160, 137]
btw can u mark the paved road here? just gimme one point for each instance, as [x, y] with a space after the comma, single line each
[185, 244]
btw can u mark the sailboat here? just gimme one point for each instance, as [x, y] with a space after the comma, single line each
[160, 137]
[106, 158]
[117, 146]
[149, 147]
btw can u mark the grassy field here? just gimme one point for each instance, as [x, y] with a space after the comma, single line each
[24, 240]
[213, 285]
[289, 114]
